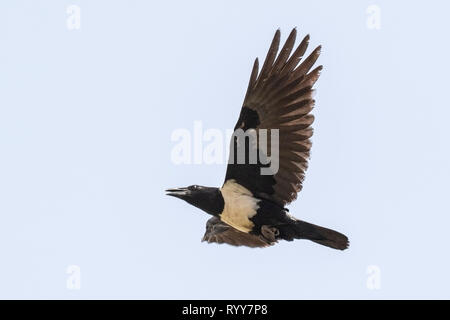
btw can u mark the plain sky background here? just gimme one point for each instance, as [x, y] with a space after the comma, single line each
[86, 118]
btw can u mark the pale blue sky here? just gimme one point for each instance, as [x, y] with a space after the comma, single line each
[86, 118]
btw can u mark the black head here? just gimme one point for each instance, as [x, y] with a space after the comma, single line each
[208, 199]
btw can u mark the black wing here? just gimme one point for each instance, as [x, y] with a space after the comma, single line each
[279, 97]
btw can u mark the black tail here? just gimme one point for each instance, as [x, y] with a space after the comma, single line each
[304, 230]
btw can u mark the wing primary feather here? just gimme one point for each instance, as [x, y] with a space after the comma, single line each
[304, 67]
[285, 51]
[270, 58]
[253, 77]
[296, 56]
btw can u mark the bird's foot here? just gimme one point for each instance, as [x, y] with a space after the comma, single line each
[270, 233]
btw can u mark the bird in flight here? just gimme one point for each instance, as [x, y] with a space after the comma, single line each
[249, 208]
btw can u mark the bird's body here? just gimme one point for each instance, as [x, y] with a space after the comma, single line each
[240, 206]
[249, 208]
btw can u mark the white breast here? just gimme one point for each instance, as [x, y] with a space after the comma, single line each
[239, 206]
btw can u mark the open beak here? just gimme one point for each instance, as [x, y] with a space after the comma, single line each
[178, 192]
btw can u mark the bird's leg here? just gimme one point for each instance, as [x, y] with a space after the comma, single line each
[270, 233]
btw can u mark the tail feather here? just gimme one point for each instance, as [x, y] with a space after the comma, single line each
[305, 230]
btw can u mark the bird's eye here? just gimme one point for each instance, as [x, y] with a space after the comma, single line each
[194, 187]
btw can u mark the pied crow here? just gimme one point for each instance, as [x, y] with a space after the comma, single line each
[249, 208]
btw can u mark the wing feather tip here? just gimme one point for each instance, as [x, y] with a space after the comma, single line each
[318, 50]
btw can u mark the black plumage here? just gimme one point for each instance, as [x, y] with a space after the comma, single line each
[249, 209]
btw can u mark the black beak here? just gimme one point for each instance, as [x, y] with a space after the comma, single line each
[181, 193]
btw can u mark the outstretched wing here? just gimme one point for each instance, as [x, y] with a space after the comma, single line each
[279, 97]
[219, 232]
